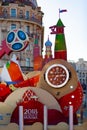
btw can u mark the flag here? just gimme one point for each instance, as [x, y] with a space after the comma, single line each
[63, 10]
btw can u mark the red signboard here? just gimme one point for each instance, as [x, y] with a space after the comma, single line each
[32, 112]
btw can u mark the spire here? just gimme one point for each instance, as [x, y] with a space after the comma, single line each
[36, 40]
[48, 52]
[60, 23]
[36, 49]
[48, 42]
[60, 43]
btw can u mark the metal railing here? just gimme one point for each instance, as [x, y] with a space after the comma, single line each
[21, 17]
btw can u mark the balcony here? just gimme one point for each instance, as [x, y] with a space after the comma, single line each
[20, 17]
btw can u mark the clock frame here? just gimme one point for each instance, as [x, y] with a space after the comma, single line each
[57, 75]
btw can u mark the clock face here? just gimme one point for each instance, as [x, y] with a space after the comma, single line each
[57, 75]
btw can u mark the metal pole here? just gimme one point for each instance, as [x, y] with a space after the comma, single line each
[45, 117]
[70, 117]
[21, 123]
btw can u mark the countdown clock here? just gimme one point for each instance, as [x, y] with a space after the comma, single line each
[57, 75]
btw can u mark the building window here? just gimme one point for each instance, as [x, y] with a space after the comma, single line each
[13, 13]
[1, 117]
[5, 13]
[33, 16]
[79, 74]
[21, 14]
[28, 30]
[13, 26]
[27, 62]
[27, 14]
[83, 74]
[83, 81]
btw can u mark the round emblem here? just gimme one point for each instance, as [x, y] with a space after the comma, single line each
[17, 40]
[57, 75]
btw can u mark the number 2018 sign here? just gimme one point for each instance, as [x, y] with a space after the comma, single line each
[30, 113]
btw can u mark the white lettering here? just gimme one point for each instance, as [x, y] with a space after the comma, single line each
[30, 114]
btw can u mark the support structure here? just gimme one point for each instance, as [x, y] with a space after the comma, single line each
[21, 122]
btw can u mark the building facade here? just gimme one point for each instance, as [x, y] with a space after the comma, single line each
[81, 69]
[25, 15]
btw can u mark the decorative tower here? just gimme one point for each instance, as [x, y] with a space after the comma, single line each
[60, 44]
[36, 49]
[48, 52]
[38, 60]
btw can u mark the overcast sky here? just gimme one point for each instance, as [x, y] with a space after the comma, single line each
[75, 21]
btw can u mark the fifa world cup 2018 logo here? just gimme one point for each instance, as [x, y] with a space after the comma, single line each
[17, 40]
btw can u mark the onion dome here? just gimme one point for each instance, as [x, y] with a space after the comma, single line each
[48, 42]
